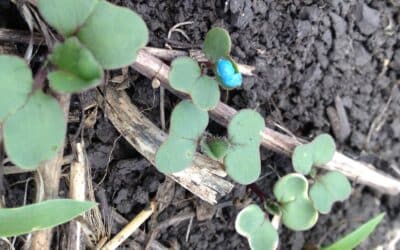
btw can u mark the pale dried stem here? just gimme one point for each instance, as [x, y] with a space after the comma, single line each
[77, 191]
[132, 226]
[363, 173]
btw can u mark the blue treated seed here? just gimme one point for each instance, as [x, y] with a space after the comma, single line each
[226, 73]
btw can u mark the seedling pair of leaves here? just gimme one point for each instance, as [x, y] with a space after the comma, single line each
[240, 152]
[93, 42]
[328, 188]
[34, 124]
[186, 75]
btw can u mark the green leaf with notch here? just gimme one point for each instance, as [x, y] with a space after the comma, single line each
[115, 43]
[188, 121]
[252, 223]
[184, 73]
[243, 163]
[323, 149]
[185, 76]
[245, 127]
[15, 84]
[36, 132]
[298, 212]
[175, 154]
[77, 68]
[302, 158]
[217, 44]
[42, 215]
[328, 189]
[205, 93]
[66, 16]
[353, 239]
[187, 124]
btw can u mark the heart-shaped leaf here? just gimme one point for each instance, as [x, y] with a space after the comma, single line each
[175, 154]
[42, 215]
[298, 212]
[245, 127]
[205, 93]
[184, 73]
[243, 163]
[15, 84]
[253, 224]
[323, 149]
[187, 124]
[188, 121]
[77, 68]
[35, 132]
[302, 158]
[328, 189]
[66, 16]
[113, 34]
[215, 148]
[217, 44]
[185, 76]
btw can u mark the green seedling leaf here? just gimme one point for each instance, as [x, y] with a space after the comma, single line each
[77, 68]
[184, 73]
[298, 212]
[217, 44]
[245, 127]
[115, 43]
[188, 121]
[35, 132]
[215, 148]
[323, 149]
[47, 214]
[187, 124]
[15, 84]
[205, 93]
[355, 238]
[185, 76]
[252, 223]
[328, 189]
[175, 154]
[66, 16]
[302, 158]
[243, 163]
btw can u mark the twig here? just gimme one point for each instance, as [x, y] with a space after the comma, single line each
[148, 65]
[77, 191]
[203, 179]
[131, 227]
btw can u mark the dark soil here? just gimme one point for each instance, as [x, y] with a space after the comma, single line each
[306, 53]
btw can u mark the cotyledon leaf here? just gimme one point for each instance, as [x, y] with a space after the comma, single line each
[245, 127]
[184, 73]
[217, 44]
[115, 43]
[15, 84]
[205, 93]
[302, 158]
[66, 16]
[35, 132]
[42, 215]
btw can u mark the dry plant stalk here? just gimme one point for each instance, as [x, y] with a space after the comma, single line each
[77, 191]
[131, 227]
[152, 67]
[204, 178]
